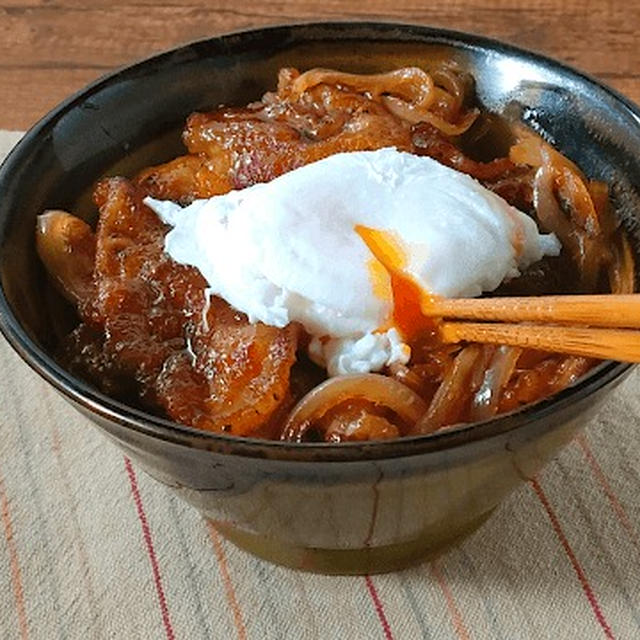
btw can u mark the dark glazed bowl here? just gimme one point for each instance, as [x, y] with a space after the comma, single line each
[349, 508]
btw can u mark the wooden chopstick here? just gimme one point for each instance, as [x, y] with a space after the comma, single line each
[595, 310]
[607, 344]
[611, 311]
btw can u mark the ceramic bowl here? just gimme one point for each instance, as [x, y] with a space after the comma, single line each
[348, 508]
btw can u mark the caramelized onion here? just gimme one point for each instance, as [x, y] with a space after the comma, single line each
[408, 93]
[622, 269]
[410, 83]
[570, 369]
[573, 188]
[548, 211]
[587, 246]
[67, 247]
[378, 389]
[581, 229]
[496, 376]
[364, 426]
[449, 401]
[454, 89]
[532, 150]
[415, 113]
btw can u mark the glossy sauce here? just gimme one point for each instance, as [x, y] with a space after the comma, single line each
[151, 334]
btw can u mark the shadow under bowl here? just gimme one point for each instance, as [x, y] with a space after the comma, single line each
[348, 508]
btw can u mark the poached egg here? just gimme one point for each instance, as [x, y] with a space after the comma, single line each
[289, 250]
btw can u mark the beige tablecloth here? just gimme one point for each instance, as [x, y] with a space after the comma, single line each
[90, 548]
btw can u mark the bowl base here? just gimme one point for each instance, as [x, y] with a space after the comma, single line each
[370, 560]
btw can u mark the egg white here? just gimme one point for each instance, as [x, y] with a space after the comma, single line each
[287, 250]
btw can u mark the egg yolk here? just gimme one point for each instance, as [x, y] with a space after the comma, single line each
[409, 298]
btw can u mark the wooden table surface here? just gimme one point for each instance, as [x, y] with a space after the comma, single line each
[50, 48]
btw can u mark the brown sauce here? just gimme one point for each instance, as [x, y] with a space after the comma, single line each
[151, 335]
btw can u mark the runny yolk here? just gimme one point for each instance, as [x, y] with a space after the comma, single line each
[409, 298]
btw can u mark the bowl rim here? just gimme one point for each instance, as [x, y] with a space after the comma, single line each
[90, 400]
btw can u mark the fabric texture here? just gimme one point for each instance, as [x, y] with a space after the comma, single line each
[92, 548]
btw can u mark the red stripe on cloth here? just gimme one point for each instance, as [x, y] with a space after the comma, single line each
[16, 574]
[230, 592]
[377, 603]
[586, 587]
[146, 533]
[618, 509]
[454, 612]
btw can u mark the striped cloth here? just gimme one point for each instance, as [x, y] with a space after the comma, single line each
[91, 548]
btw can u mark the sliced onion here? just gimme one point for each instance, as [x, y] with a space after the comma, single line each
[409, 83]
[482, 363]
[581, 233]
[569, 370]
[622, 276]
[548, 211]
[453, 88]
[581, 229]
[378, 389]
[415, 113]
[573, 189]
[496, 376]
[451, 392]
[67, 247]
[532, 150]
[407, 93]
[366, 427]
